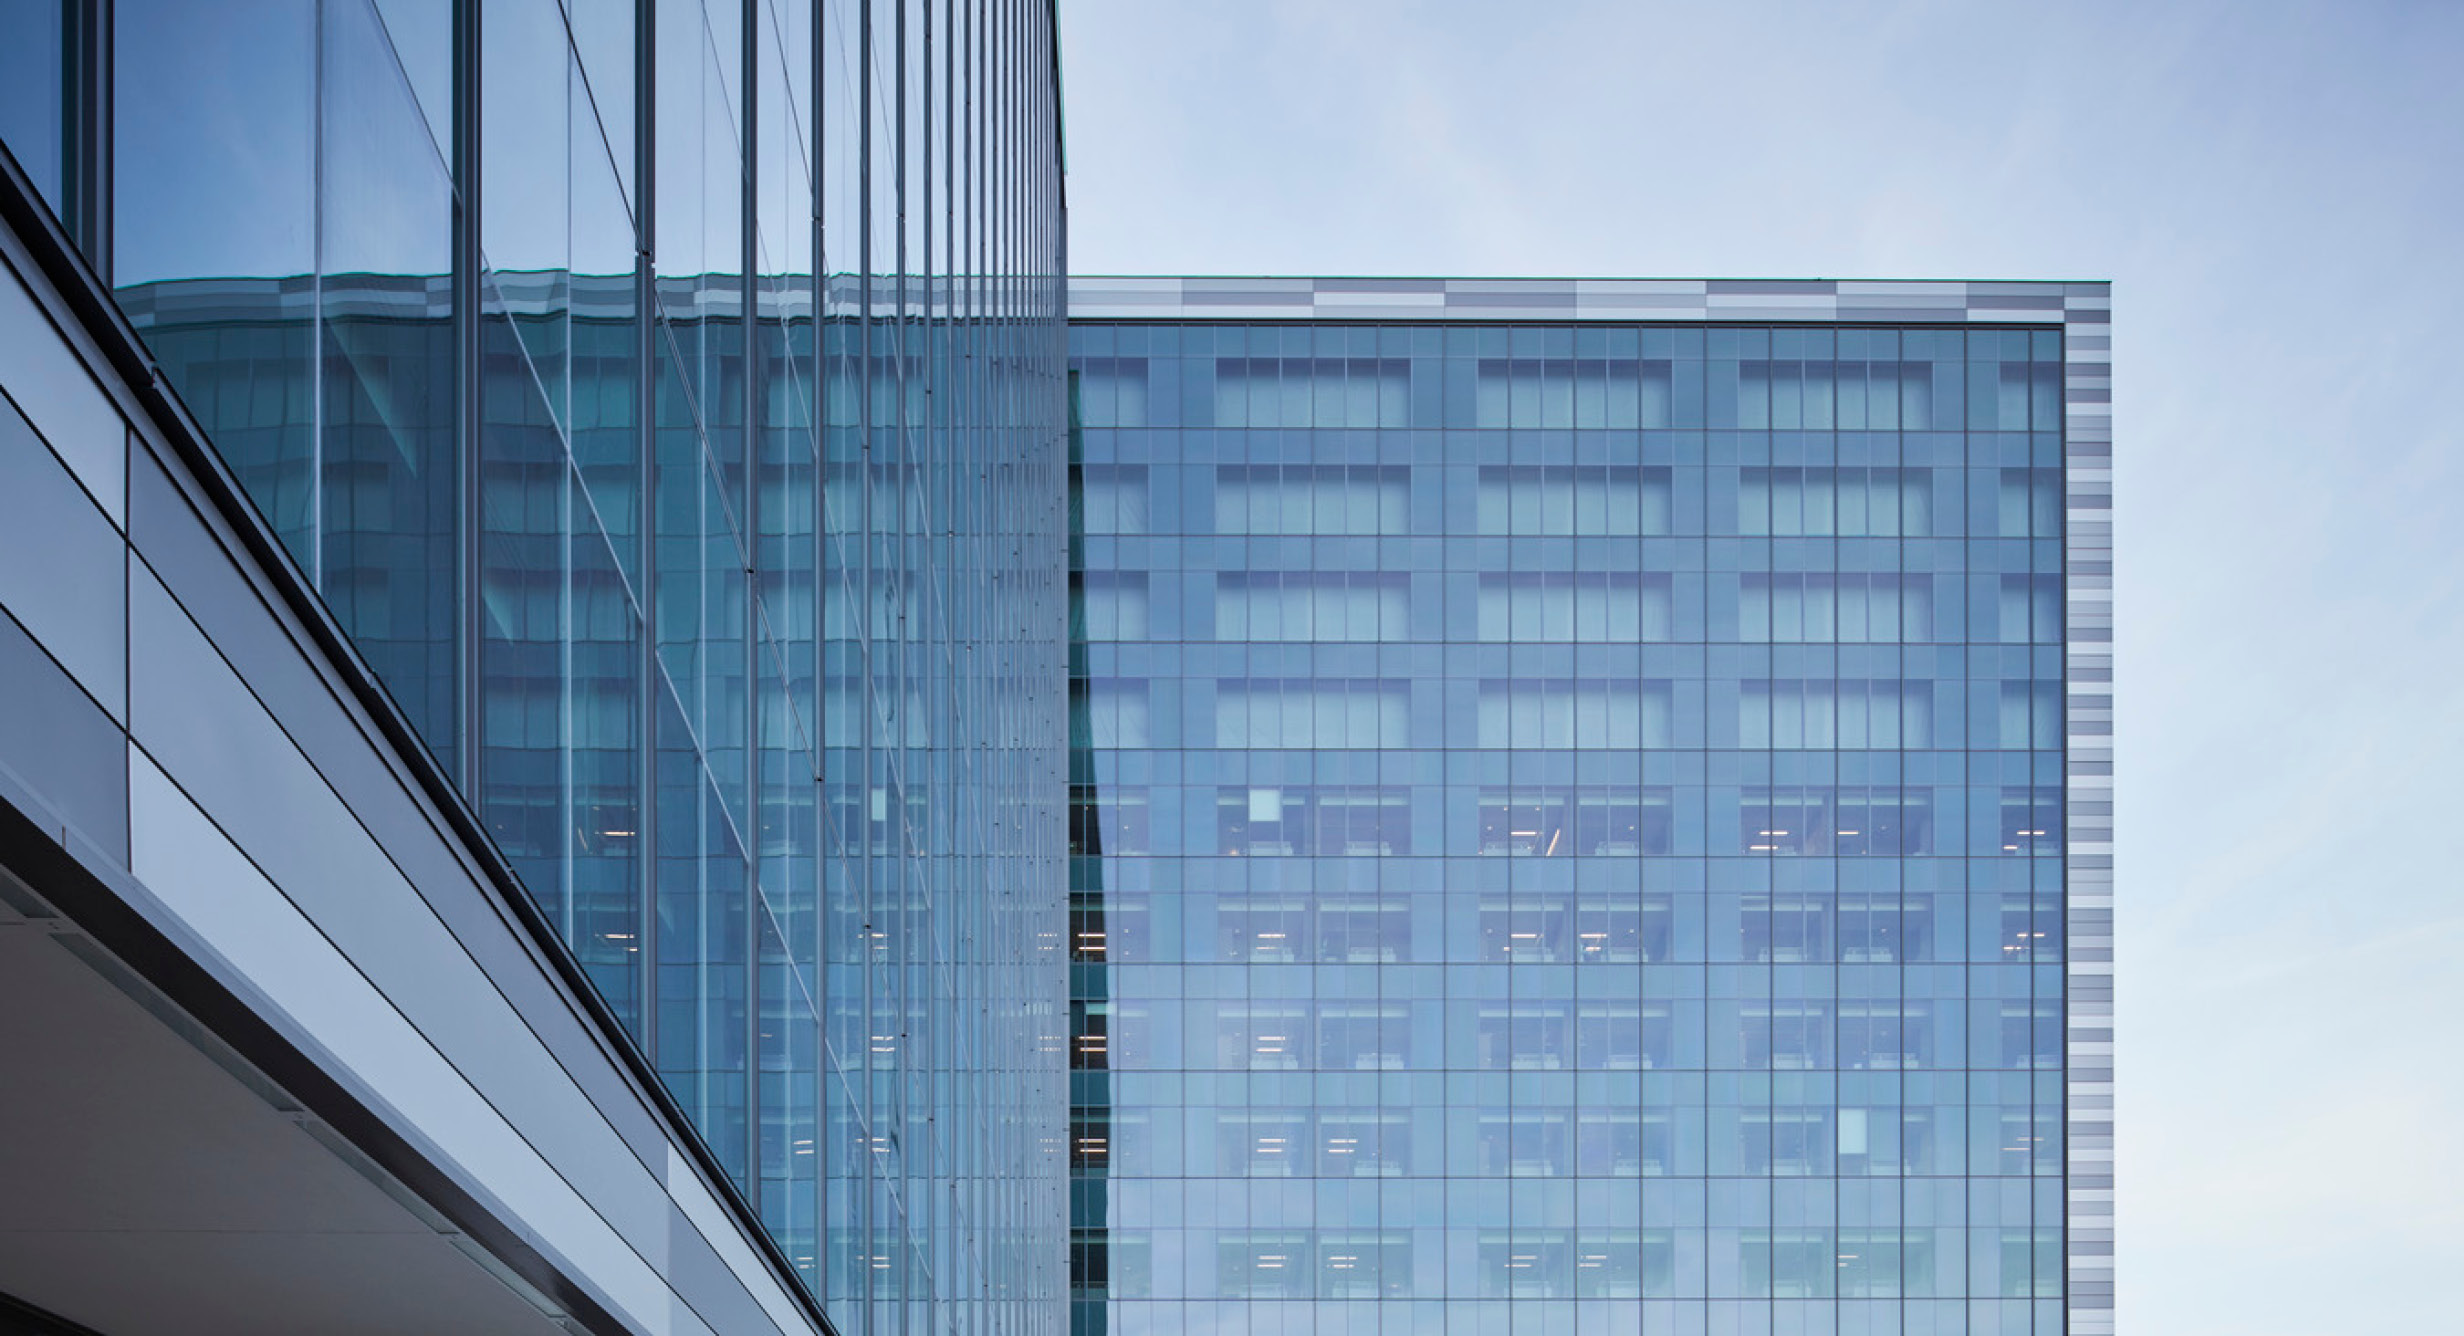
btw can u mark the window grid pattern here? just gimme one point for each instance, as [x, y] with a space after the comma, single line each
[1697, 960]
[684, 448]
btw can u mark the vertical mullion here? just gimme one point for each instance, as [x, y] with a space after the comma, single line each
[963, 980]
[899, 660]
[467, 369]
[645, 388]
[85, 149]
[822, 965]
[749, 77]
[920, 1043]
[863, 390]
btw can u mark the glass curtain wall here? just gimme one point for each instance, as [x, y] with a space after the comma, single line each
[36, 73]
[1566, 829]
[668, 400]
[52, 89]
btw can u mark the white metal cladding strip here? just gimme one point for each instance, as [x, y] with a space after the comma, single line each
[2088, 804]
[1898, 301]
[206, 884]
[1907, 310]
[1898, 289]
[1379, 300]
[406, 953]
[1641, 308]
[1617, 289]
[1785, 305]
[40, 372]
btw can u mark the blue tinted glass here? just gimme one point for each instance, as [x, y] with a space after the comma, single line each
[214, 178]
[33, 87]
[751, 666]
[388, 488]
[1551, 872]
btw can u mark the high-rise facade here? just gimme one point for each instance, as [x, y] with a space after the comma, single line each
[1591, 807]
[666, 404]
[596, 639]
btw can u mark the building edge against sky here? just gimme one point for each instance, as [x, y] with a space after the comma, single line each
[700, 591]
[1325, 328]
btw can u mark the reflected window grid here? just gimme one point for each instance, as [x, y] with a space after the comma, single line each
[742, 524]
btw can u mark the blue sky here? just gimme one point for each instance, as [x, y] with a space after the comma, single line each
[2277, 193]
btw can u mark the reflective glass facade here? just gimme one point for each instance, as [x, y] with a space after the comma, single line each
[1568, 824]
[1582, 806]
[52, 88]
[668, 401]
[34, 80]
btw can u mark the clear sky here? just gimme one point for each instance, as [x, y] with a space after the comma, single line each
[2277, 193]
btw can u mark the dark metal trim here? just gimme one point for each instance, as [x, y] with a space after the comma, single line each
[468, 407]
[86, 156]
[749, 450]
[19, 1318]
[646, 521]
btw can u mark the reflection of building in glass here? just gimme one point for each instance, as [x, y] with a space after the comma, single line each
[667, 403]
[1585, 806]
[1578, 806]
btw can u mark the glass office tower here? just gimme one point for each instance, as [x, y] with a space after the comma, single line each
[1589, 808]
[1587, 805]
[668, 401]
